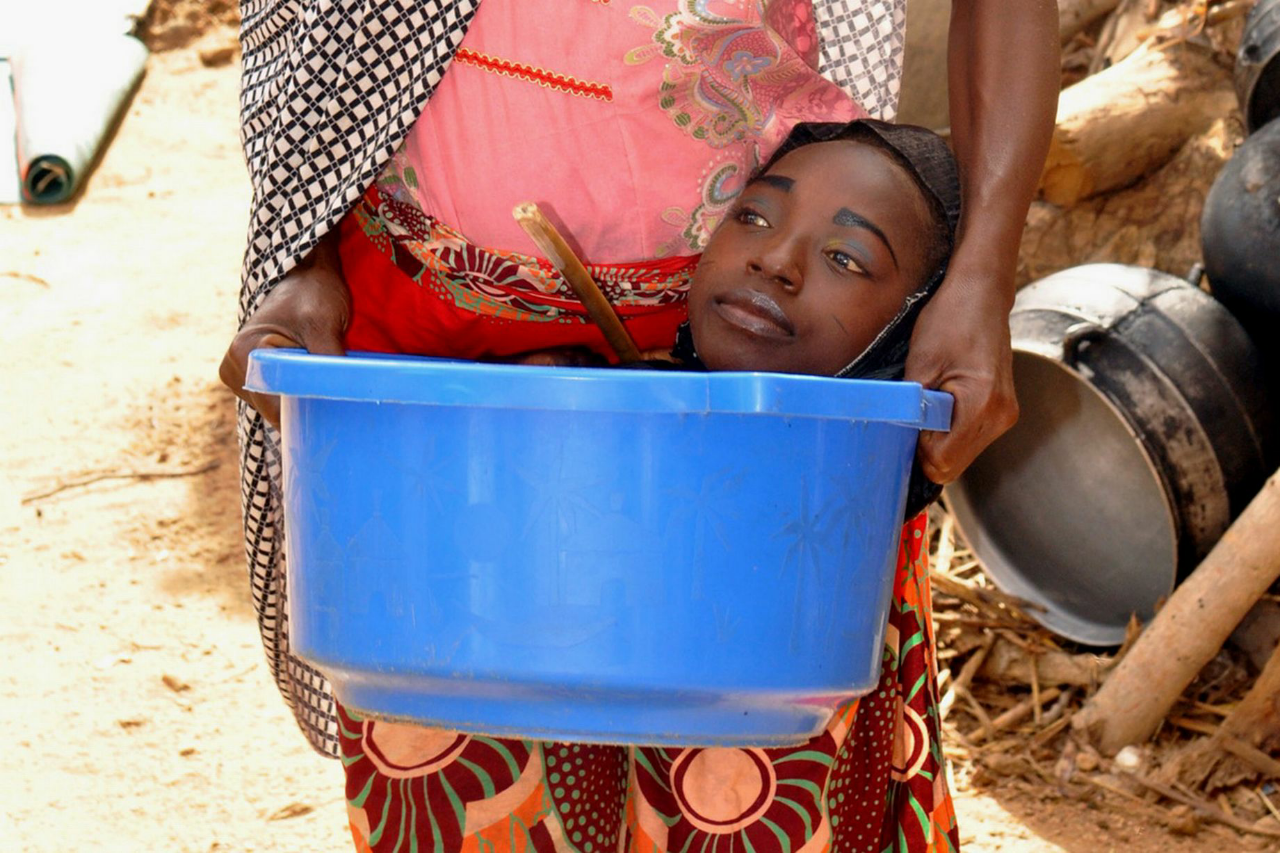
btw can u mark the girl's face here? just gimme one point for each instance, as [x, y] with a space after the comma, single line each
[816, 257]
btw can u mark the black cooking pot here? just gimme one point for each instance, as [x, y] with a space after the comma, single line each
[1142, 435]
[1257, 71]
[1240, 235]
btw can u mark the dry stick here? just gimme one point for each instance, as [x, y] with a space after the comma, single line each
[980, 597]
[1018, 712]
[1173, 24]
[127, 475]
[946, 545]
[1201, 806]
[1245, 751]
[1119, 36]
[1009, 661]
[1251, 755]
[967, 672]
[1035, 691]
[1256, 718]
[1225, 805]
[24, 276]
[1266, 801]
[1190, 629]
[551, 244]
[1076, 15]
[986, 726]
[1052, 730]
[1059, 707]
[1133, 799]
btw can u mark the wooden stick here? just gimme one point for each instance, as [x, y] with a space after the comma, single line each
[1251, 755]
[1189, 630]
[1059, 708]
[980, 597]
[1076, 15]
[551, 244]
[946, 546]
[1266, 801]
[1017, 713]
[1241, 749]
[985, 727]
[967, 672]
[1052, 730]
[124, 475]
[1008, 662]
[1201, 806]
[1035, 692]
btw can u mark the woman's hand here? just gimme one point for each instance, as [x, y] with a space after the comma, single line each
[309, 309]
[961, 345]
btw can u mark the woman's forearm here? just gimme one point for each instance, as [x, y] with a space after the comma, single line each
[1003, 64]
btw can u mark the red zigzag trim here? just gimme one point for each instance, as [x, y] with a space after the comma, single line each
[518, 70]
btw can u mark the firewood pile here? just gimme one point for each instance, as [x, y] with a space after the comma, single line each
[1147, 118]
[1181, 723]
[1022, 707]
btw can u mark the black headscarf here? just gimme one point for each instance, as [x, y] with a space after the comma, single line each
[926, 157]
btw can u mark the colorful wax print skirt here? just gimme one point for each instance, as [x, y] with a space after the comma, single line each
[872, 781]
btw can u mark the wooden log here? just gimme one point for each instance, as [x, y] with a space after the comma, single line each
[1259, 632]
[1076, 15]
[1154, 224]
[1237, 750]
[1189, 630]
[1123, 123]
[1006, 662]
[1256, 720]
[1124, 31]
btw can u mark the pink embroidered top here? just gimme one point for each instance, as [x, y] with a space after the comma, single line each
[647, 118]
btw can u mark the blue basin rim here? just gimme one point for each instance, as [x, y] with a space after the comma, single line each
[379, 378]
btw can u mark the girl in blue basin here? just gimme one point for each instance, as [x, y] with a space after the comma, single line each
[820, 267]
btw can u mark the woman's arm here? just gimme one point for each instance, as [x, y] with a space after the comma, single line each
[1003, 64]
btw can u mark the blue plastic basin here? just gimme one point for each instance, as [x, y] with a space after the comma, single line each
[592, 555]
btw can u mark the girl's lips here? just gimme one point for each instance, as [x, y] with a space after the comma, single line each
[754, 312]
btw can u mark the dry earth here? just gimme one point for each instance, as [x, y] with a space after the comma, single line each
[139, 710]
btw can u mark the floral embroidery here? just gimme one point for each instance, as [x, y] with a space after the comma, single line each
[506, 285]
[731, 80]
[720, 183]
[519, 71]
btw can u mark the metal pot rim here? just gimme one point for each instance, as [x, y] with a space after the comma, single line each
[1005, 571]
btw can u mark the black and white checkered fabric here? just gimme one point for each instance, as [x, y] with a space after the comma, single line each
[861, 48]
[329, 90]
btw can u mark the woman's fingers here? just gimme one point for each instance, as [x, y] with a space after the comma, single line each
[961, 345]
[235, 366]
[983, 410]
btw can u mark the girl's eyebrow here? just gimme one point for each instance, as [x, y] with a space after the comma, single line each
[846, 217]
[778, 182]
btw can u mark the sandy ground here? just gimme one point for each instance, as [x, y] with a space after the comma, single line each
[138, 705]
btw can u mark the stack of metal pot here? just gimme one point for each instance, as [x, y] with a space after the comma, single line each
[1146, 421]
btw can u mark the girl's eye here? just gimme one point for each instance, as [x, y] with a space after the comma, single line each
[846, 262]
[747, 216]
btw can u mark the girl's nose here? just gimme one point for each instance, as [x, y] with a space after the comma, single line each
[779, 260]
